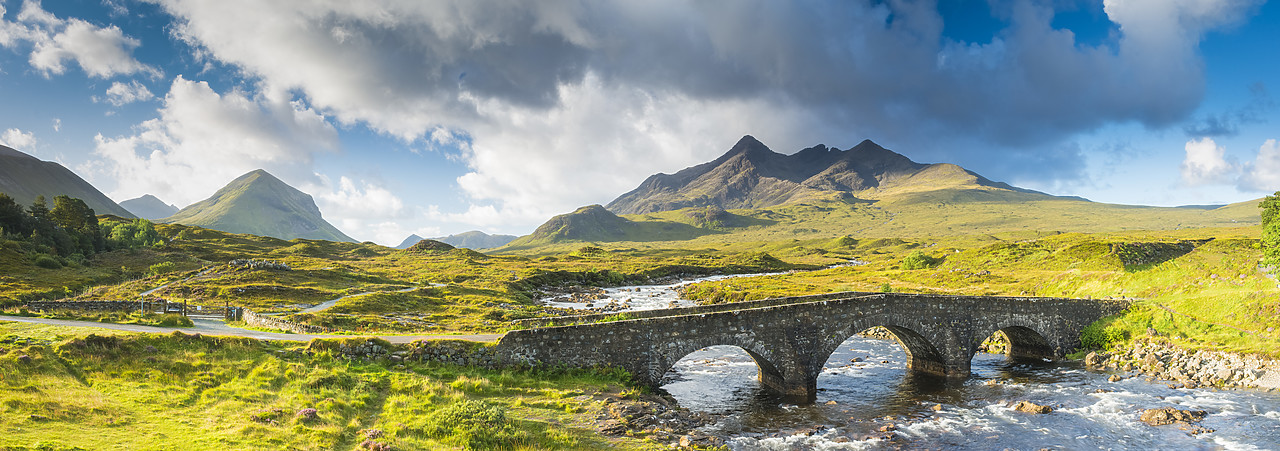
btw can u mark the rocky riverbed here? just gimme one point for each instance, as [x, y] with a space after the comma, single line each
[1159, 360]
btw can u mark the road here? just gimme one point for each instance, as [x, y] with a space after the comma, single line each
[216, 327]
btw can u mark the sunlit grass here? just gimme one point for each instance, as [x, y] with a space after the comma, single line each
[138, 391]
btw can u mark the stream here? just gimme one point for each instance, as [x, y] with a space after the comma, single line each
[868, 400]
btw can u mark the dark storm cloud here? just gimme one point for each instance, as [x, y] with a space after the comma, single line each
[1228, 123]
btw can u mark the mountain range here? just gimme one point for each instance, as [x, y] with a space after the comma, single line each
[750, 175]
[258, 203]
[24, 177]
[474, 239]
[753, 194]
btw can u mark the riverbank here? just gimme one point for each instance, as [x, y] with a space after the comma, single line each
[1158, 359]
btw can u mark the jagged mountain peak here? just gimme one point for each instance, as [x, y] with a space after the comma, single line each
[750, 175]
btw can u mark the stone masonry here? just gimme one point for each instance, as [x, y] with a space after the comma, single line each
[790, 343]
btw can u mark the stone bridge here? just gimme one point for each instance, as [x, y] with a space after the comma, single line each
[791, 342]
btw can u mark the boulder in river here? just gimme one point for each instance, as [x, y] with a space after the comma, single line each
[1169, 415]
[1031, 407]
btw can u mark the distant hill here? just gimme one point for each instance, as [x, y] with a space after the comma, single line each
[149, 207]
[24, 177]
[476, 239]
[590, 223]
[410, 241]
[750, 175]
[595, 223]
[260, 204]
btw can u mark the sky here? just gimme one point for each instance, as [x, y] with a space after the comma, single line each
[436, 117]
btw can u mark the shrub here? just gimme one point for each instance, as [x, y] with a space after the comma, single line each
[48, 262]
[475, 425]
[162, 268]
[920, 260]
[174, 320]
[1101, 334]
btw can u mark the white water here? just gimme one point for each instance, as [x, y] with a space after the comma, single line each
[856, 399]
[641, 297]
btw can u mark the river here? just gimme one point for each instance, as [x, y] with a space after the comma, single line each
[865, 388]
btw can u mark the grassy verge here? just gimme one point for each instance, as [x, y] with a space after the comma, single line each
[144, 319]
[63, 389]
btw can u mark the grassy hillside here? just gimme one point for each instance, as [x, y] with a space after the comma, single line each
[257, 203]
[65, 390]
[24, 177]
[911, 214]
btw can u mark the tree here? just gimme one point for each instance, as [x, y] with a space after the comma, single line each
[13, 218]
[79, 221]
[1271, 229]
[39, 209]
[131, 235]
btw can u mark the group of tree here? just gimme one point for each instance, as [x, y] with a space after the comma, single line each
[71, 227]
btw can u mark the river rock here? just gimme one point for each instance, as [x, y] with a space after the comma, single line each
[1030, 407]
[1094, 359]
[1169, 415]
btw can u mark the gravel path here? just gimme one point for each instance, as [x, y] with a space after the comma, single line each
[216, 327]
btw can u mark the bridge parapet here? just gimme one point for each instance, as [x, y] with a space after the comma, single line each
[568, 320]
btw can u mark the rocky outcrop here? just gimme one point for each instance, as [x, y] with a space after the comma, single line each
[1190, 369]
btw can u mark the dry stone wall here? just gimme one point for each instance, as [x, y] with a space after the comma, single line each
[271, 322]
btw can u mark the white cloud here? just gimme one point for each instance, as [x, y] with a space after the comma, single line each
[202, 140]
[101, 52]
[121, 93]
[57, 124]
[365, 210]
[18, 139]
[1263, 174]
[1205, 163]
[556, 104]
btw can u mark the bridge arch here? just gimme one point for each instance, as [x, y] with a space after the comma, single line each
[920, 343]
[1025, 340]
[771, 374]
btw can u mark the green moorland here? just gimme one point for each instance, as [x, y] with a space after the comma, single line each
[427, 289]
[65, 389]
